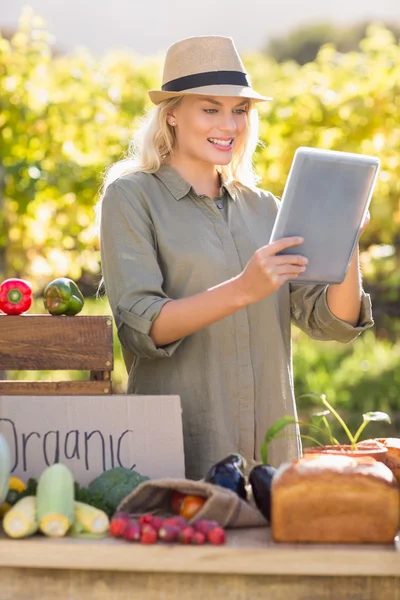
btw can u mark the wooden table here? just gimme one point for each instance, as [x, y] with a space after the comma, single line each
[249, 567]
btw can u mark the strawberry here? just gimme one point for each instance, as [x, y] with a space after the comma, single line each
[118, 526]
[176, 522]
[148, 535]
[145, 527]
[205, 526]
[198, 538]
[132, 531]
[169, 533]
[146, 518]
[216, 536]
[186, 535]
[157, 522]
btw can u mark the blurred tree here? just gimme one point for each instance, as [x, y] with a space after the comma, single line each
[303, 43]
[65, 119]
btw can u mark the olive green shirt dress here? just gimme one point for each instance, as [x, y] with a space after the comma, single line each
[161, 241]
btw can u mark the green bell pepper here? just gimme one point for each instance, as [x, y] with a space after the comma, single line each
[63, 297]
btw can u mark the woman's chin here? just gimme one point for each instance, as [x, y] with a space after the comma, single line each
[219, 158]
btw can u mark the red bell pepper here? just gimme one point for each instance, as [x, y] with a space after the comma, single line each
[15, 296]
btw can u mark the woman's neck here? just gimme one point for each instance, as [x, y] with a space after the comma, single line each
[203, 177]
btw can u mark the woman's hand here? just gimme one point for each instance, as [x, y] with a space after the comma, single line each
[366, 223]
[266, 272]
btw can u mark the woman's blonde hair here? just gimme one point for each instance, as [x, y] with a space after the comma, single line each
[154, 142]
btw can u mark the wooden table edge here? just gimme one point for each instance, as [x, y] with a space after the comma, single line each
[276, 559]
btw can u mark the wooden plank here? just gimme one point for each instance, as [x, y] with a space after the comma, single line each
[35, 584]
[248, 552]
[52, 388]
[35, 342]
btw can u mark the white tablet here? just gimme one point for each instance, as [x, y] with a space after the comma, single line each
[325, 201]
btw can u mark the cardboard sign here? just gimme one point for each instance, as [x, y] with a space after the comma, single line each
[91, 434]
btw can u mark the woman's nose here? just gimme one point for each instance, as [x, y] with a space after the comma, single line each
[228, 123]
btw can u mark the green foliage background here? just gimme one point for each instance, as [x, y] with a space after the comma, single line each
[65, 119]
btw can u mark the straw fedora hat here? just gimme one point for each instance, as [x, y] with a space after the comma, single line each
[208, 65]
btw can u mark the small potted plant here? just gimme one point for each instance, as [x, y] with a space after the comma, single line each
[320, 423]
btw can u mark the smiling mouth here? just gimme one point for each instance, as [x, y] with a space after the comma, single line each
[225, 144]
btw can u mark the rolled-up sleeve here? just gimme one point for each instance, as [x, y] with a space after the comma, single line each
[311, 313]
[132, 276]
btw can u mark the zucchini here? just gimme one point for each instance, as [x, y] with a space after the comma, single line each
[89, 519]
[5, 468]
[21, 520]
[55, 500]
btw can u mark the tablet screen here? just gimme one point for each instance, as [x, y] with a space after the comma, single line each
[325, 201]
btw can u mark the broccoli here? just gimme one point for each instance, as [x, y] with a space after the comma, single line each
[109, 489]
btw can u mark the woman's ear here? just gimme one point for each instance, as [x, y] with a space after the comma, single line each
[171, 120]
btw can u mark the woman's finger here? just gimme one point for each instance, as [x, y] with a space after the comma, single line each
[283, 259]
[288, 270]
[274, 271]
[282, 244]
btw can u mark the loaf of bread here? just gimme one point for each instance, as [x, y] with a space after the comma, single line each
[392, 456]
[328, 498]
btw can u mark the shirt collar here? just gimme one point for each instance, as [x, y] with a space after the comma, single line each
[180, 188]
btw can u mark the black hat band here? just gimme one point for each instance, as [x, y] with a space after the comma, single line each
[204, 79]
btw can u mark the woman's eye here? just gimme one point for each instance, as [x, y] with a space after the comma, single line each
[238, 111]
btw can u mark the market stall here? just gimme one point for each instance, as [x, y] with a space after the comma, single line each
[98, 434]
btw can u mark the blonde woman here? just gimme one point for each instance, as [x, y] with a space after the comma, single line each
[201, 300]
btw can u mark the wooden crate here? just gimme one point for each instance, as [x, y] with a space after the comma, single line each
[48, 342]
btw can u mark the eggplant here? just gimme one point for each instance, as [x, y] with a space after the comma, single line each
[260, 479]
[226, 473]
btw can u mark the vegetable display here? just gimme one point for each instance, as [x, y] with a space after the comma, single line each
[63, 297]
[176, 501]
[190, 506]
[22, 520]
[260, 479]
[55, 500]
[111, 487]
[149, 529]
[15, 296]
[15, 487]
[104, 493]
[49, 506]
[89, 520]
[227, 473]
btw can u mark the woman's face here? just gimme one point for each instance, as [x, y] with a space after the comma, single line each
[208, 128]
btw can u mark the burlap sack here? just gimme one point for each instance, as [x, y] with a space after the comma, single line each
[222, 505]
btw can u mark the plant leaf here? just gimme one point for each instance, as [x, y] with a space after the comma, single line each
[318, 417]
[309, 437]
[324, 413]
[376, 416]
[272, 432]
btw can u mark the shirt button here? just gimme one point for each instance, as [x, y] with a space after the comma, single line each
[220, 205]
